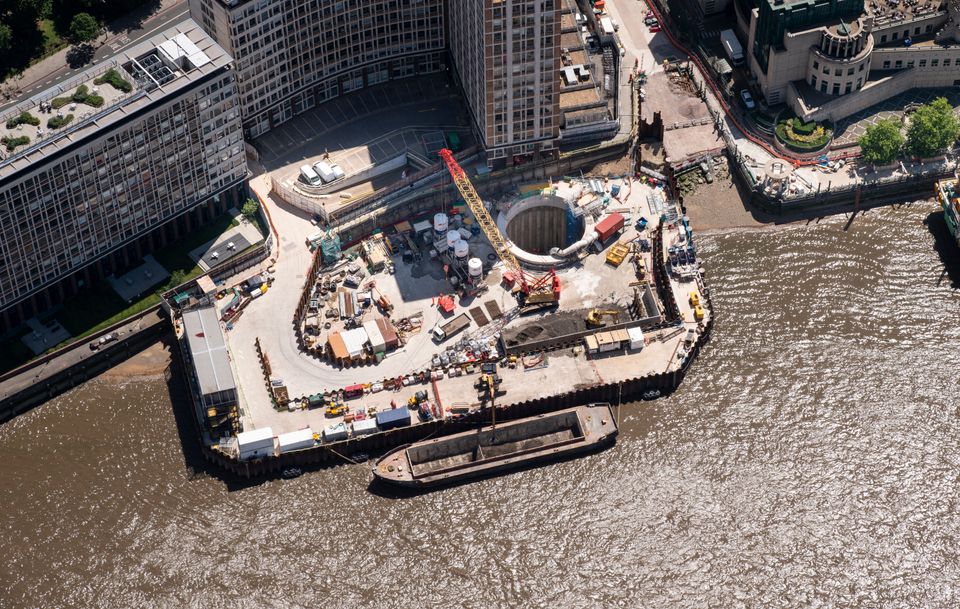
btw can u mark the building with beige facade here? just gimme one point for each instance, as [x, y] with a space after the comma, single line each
[290, 56]
[95, 186]
[828, 59]
[506, 55]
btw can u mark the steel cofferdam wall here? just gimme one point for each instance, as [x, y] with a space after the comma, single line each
[337, 453]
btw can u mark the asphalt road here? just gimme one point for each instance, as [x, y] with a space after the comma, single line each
[114, 44]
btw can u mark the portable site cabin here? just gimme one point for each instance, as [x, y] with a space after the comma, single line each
[364, 427]
[354, 340]
[636, 338]
[336, 348]
[255, 443]
[390, 339]
[376, 337]
[590, 344]
[335, 433]
[295, 440]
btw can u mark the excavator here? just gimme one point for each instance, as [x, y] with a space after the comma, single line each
[533, 291]
[595, 317]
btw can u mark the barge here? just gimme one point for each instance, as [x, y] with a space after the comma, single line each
[495, 448]
[948, 195]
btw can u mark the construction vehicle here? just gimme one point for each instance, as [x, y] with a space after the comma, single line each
[532, 290]
[335, 409]
[595, 316]
[488, 387]
[617, 253]
[694, 299]
[416, 399]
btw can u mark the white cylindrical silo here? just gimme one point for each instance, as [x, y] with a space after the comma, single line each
[453, 237]
[474, 267]
[460, 250]
[440, 223]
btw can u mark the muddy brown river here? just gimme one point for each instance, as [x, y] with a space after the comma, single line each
[810, 459]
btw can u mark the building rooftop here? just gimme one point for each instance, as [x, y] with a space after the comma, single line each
[899, 10]
[208, 350]
[157, 67]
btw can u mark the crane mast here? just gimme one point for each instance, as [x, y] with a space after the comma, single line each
[535, 290]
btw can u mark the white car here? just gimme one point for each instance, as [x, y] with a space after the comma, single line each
[747, 99]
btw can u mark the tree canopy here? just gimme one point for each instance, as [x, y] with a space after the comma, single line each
[84, 27]
[933, 128]
[250, 207]
[882, 142]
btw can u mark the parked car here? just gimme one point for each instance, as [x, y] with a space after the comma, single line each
[654, 29]
[747, 99]
[103, 340]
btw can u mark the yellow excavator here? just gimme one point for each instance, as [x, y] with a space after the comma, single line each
[595, 316]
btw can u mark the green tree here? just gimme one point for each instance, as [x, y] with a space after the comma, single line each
[83, 28]
[882, 142]
[6, 37]
[249, 209]
[933, 128]
[176, 278]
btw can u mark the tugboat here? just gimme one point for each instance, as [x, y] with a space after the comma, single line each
[948, 195]
[498, 447]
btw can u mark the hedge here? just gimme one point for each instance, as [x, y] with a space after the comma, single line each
[12, 142]
[59, 121]
[25, 118]
[81, 96]
[113, 78]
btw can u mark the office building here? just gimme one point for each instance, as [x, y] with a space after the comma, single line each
[506, 54]
[111, 172]
[828, 59]
[291, 56]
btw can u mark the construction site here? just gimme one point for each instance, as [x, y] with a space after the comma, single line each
[557, 286]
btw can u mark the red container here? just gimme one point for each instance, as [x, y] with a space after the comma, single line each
[609, 226]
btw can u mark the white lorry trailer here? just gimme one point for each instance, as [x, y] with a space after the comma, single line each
[732, 47]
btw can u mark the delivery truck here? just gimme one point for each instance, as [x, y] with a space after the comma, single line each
[732, 47]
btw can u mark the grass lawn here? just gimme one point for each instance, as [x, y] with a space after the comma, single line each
[98, 306]
[52, 42]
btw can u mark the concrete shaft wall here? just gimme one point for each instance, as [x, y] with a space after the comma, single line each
[539, 229]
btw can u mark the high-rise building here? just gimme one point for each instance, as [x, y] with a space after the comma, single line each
[506, 54]
[293, 55]
[113, 163]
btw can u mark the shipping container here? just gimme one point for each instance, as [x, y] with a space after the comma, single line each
[609, 226]
[255, 443]
[398, 417]
[295, 440]
[352, 391]
[390, 338]
[636, 338]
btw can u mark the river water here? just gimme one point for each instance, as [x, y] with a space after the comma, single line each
[809, 460]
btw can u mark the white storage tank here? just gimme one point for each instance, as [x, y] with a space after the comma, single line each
[440, 223]
[475, 267]
[461, 250]
[452, 238]
[295, 440]
[255, 443]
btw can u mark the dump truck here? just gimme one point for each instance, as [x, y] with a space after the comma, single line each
[451, 328]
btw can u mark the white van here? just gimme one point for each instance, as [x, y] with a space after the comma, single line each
[324, 171]
[337, 171]
[308, 175]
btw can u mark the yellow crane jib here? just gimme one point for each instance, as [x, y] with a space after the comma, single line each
[542, 289]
